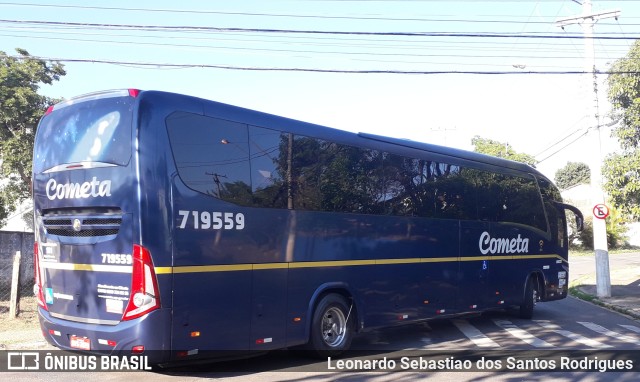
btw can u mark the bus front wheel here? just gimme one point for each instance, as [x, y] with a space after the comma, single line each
[530, 299]
[332, 326]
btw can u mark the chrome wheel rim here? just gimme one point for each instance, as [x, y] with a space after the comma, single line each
[334, 327]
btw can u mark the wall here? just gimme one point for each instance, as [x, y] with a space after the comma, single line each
[10, 242]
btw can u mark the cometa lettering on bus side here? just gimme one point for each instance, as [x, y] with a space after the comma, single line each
[501, 245]
[95, 188]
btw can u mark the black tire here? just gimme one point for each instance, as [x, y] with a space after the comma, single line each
[530, 299]
[332, 326]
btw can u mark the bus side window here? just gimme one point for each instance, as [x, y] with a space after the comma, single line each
[270, 167]
[556, 216]
[212, 155]
[520, 202]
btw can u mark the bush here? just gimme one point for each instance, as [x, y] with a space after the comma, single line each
[616, 234]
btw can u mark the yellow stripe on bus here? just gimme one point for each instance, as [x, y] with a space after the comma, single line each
[340, 263]
[292, 265]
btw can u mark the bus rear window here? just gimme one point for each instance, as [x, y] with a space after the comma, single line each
[95, 130]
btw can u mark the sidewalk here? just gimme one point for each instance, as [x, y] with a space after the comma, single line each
[625, 288]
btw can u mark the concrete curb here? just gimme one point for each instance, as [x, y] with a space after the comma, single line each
[616, 308]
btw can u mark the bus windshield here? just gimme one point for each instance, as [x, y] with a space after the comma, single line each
[92, 130]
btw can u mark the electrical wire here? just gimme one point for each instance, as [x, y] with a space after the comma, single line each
[322, 17]
[315, 70]
[533, 35]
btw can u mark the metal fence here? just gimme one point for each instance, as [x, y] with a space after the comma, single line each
[10, 242]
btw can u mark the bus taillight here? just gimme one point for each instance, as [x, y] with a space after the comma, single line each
[144, 296]
[37, 286]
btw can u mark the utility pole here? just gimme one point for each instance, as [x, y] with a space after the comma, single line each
[444, 131]
[588, 19]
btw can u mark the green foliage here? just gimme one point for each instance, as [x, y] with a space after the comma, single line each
[616, 232]
[572, 174]
[616, 229]
[624, 95]
[582, 240]
[22, 107]
[500, 150]
[622, 172]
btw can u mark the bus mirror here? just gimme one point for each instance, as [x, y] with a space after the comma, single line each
[576, 212]
[579, 222]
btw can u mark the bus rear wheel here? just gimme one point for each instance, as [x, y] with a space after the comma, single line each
[332, 326]
[530, 299]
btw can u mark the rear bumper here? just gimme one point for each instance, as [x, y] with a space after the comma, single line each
[151, 331]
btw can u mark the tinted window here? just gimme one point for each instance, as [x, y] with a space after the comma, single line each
[419, 187]
[212, 156]
[327, 176]
[557, 218]
[520, 202]
[260, 167]
[97, 130]
[507, 198]
[270, 167]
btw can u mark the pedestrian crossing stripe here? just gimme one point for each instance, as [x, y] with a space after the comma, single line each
[482, 340]
[610, 333]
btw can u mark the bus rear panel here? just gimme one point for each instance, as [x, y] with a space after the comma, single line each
[96, 284]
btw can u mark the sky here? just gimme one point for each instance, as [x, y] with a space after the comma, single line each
[410, 69]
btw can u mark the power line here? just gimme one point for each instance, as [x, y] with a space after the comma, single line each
[565, 146]
[357, 42]
[287, 15]
[320, 32]
[350, 53]
[315, 70]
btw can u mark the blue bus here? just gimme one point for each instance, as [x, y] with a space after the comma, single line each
[185, 226]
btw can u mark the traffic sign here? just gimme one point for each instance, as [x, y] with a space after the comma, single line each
[600, 211]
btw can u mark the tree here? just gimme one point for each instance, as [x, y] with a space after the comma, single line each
[624, 95]
[500, 150]
[621, 169]
[622, 173]
[22, 107]
[572, 174]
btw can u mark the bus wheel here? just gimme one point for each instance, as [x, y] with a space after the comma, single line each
[530, 299]
[332, 326]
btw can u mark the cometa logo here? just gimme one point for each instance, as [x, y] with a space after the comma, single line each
[92, 189]
[501, 245]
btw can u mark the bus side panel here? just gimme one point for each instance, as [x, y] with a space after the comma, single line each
[439, 251]
[269, 309]
[399, 268]
[229, 279]
[510, 270]
[211, 311]
[475, 270]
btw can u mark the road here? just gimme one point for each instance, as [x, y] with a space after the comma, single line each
[560, 327]
[580, 266]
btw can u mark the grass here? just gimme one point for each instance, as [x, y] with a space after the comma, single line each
[22, 329]
[576, 292]
[590, 252]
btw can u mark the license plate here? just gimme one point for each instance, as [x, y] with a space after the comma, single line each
[80, 343]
